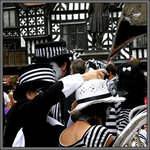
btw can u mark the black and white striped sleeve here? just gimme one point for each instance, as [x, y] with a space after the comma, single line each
[97, 136]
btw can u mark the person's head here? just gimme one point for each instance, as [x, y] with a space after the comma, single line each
[95, 64]
[32, 80]
[95, 114]
[132, 82]
[61, 66]
[78, 66]
[92, 101]
[131, 78]
[112, 70]
[55, 54]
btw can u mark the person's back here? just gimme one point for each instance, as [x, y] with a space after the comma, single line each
[14, 123]
[35, 95]
[89, 112]
[85, 135]
[77, 131]
[36, 132]
[30, 110]
[132, 83]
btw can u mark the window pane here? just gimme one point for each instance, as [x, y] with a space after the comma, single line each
[69, 29]
[20, 58]
[81, 45]
[81, 28]
[5, 58]
[75, 35]
[17, 58]
[9, 18]
[72, 41]
[11, 56]
[23, 58]
[6, 19]
[12, 18]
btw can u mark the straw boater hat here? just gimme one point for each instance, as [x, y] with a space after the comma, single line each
[32, 76]
[49, 51]
[92, 92]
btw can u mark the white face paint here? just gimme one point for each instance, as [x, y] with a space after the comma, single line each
[57, 70]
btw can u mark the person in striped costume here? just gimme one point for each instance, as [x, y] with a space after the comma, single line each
[56, 54]
[89, 112]
[35, 94]
[111, 81]
[132, 82]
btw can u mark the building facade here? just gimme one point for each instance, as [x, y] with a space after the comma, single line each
[27, 24]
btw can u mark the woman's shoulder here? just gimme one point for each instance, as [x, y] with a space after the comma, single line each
[74, 133]
[81, 131]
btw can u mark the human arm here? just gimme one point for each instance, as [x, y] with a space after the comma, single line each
[63, 87]
[110, 141]
[72, 82]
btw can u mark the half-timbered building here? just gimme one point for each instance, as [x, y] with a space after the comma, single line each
[26, 24]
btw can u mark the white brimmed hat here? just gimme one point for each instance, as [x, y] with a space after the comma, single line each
[93, 92]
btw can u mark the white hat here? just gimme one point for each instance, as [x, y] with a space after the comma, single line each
[93, 92]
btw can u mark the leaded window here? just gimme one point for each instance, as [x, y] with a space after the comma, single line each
[12, 54]
[9, 17]
[75, 35]
[68, 22]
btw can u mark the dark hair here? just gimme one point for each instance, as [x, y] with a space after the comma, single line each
[111, 68]
[132, 82]
[60, 61]
[78, 66]
[89, 112]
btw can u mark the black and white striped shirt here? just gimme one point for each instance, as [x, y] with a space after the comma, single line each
[112, 121]
[118, 119]
[123, 119]
[95, 136]
[56, 113]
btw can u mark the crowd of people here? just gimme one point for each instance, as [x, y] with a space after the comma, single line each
[8, 100]
[60, 103]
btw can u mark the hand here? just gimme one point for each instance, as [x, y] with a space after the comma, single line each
[145, 127]
[95, 74]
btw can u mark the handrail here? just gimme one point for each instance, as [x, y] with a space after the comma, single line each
[130, 130]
